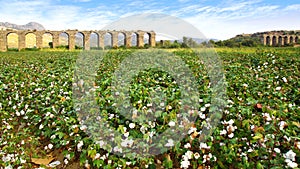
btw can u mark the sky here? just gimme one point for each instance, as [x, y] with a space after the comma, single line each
[217, 19]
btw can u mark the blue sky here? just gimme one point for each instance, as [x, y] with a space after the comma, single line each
[221, 19]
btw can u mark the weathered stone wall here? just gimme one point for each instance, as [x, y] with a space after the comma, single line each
[71, 38]
[279, 38]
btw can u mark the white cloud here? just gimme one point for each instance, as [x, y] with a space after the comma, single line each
[294, 7]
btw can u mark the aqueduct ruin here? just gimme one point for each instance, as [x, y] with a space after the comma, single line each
[279, 38]
[127, 38]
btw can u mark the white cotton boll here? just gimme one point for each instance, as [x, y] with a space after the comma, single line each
[184, 164]
[79, 145]
[284, 80]
[189, 154]
[22, 112]
[131, 125]
[207, 105]
[170, 143]
[188, 145]
[171, 123]
[278, 88]
[41, 126]
[50, 146]
[223, 132]
[277, 150]
[231, 135]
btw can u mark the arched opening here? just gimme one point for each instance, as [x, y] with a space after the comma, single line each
[285, 40]
[268, 40]
[94, 41]
[274, 43]
[63, 40]
[108, 40]
[79, 40]
[291, 39]
[47, 40]
[280, 41]
[147, 39]
[12, 41]
[134, 39]
[121, 39]
[296, 39]
[30, 40]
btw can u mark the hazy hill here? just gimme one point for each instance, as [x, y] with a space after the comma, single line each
[30, 26]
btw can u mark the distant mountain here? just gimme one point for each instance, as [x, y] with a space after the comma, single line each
[28, 26]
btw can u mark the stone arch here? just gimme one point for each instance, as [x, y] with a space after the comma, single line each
[30, 40]
[79, 40]
[12, 40]
[296, 39]
[64, 39]
[134, 39]
[280, 41]
[291, 39]
[285, 40]
[121, 39]
[94, 41]
[274, 41]
[147, 38]
[108, 40]
[47, 40]
[268, 40]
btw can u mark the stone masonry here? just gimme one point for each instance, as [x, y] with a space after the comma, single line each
[71, 38]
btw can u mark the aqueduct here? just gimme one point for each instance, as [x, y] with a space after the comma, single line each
[279, 38]
[113, 36]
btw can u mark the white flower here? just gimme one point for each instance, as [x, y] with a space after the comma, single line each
[66, 161]
[50, 146]
[207, 105]
[170, 143]
[284, 79]
[200, 100]
[83, 127]
[231, 135]
[22, 112]
[245, 85]
[203, 109]
[204, 146]
[41, 126]
[291, 163]
[189, 154]
[184, 164]
[202, 116]
[126, 134]
[8, 167]
[192, 130]
[187, 145]
[282, 125]
[171, 123]
[97, 156]
[278, 88]
[79, 145]
[131, 125]
[277, 150]
[290, 155]
[223, 132]
[196, 155]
